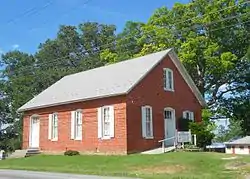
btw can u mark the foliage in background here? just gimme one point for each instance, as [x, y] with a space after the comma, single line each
[234, 131]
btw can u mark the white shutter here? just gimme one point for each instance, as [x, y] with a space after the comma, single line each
[81, 125]
[99, 119]
[72, 136]
[184, 114]
[112, 121]
[192, 116]
[164, 78]
[143, 118]
[56, 132]
[151, 121]
[50, 127]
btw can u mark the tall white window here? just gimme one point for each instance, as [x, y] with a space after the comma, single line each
[147, 122]
[188, 115]
[168, 79]
[53, 127]
[76, 125]
[106, 122]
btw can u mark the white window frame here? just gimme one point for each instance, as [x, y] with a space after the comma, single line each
[190, 115]
[106, 128]
[53, 127]
[76, 124]
[168, 85]
[147, 121]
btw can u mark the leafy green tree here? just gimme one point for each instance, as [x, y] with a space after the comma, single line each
[126, 44]
[16, 78]
[210, 41]
[234, 130]
[237, 110]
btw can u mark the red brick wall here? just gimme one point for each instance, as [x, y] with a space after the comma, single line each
[150, 92]
[90, 141]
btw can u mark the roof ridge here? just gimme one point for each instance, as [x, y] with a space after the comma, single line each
[118, 63]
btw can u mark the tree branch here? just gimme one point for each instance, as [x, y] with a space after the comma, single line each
[216, 97]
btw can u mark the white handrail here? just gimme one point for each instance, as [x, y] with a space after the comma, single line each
[166, 139]
[163, 142]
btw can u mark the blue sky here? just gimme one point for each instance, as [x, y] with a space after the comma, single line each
[24, 30]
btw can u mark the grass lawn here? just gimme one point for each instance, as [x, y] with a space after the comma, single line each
[171, 165]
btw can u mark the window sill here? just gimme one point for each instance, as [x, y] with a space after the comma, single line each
[105, 138]
[77, 139]
[166, 89]
[54, 140]
[148, 137]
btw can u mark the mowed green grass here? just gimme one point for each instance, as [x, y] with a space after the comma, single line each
[170, 165]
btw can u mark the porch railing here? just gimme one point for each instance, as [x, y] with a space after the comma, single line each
[164, 140]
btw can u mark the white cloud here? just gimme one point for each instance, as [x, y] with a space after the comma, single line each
[15, 46]
[1, 51]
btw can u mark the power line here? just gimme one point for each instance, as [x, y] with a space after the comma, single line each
[97, 49]
[31, 11]
[72, 9]
[227, 18]
[229, 26]
[199, 16]
[65, 13]
[89, 52]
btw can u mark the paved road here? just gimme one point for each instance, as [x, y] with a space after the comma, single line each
[19, 174]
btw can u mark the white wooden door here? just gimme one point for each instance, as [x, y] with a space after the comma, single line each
[169, 125]
[34, 132]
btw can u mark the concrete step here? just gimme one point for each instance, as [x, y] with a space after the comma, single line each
[32, 151]
[24, 153]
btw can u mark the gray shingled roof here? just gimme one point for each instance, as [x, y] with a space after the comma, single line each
[244, 140]
[110, 80]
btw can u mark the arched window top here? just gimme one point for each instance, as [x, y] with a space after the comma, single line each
[147, 106]
[35, 115]
[169, 109]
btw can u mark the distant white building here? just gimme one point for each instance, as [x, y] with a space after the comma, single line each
[239, 146]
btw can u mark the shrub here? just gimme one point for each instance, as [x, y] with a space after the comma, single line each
[204, 135]
[71, 152]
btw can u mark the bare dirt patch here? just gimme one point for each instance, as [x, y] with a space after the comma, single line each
[237, 165]
[161, 169]
[230, 158]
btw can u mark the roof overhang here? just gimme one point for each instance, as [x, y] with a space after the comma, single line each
[21, 109]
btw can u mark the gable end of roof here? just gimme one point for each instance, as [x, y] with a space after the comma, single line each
[173, 56]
